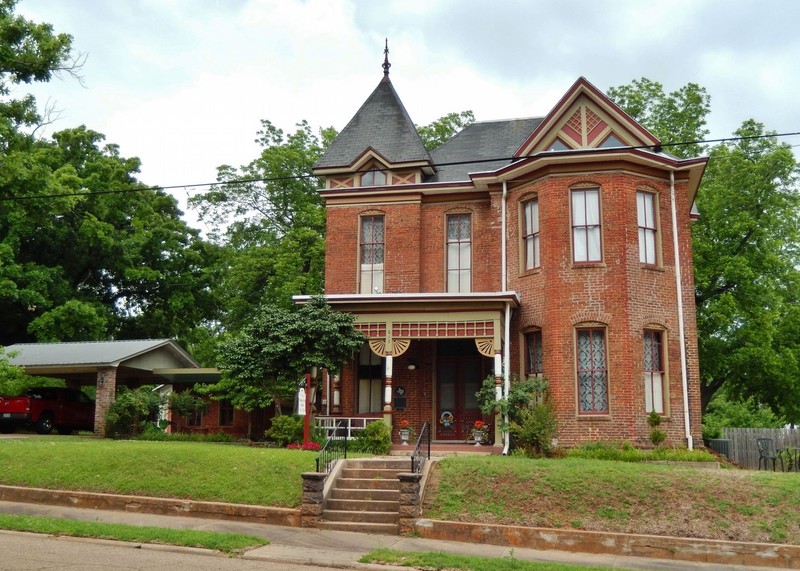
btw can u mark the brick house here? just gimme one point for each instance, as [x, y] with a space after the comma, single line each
[556, 246]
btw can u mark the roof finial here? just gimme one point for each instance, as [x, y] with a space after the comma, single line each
[386, 64]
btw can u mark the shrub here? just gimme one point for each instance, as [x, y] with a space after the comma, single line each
[376, 438]
[132, 411]
[286, 429]
[656, 436]
[186, 403]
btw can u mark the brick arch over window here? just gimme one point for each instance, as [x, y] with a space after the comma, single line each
[589, 317]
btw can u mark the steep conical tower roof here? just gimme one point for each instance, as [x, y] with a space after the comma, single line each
[381, 124]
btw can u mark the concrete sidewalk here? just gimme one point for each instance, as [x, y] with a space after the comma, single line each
[343, 549]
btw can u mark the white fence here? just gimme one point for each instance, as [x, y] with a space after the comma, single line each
[344, 426]
[742, 447]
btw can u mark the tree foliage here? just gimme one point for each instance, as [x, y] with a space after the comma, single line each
[264, 362]
[677, 117]
[86, 251]
[746, 258]
[440, 130]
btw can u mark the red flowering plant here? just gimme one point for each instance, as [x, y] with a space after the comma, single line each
[405, 424]
[481, 428]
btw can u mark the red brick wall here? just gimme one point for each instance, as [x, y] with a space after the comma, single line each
[618, 293]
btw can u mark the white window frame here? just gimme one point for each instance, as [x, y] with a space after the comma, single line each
[647, 223]
[587, 237]
[371, 273]
[655, 375]
[459, 255]
[530, 234]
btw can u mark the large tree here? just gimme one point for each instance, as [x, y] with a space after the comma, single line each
[745, 248]
[86, 251]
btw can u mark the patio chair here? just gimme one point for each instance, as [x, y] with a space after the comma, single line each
[767, 452]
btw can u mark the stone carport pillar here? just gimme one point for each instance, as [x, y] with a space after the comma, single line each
[106, 392]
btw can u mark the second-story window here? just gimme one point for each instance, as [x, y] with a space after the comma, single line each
[530, 235]
[586, 240]
[373, 177]
[459, 253]
[646, 215]
[371, 256]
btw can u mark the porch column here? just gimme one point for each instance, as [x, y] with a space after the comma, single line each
[106, 392]
[498, 393]
[337, 408]
[387, 392]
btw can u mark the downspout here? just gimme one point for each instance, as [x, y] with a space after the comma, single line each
[681, 330]
[507, 331]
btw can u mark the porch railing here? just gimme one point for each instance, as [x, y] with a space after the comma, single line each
[344, 426]
[422, 451]
[334, 449]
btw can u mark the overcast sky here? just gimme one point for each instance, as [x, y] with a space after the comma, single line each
[183, 84]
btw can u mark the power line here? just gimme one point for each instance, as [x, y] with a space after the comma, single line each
[654, 148]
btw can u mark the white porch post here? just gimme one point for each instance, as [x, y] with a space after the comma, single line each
[387, 392]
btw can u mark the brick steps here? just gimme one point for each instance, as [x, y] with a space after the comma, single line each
[365, 497]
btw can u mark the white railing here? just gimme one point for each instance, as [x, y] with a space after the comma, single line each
[348, 426]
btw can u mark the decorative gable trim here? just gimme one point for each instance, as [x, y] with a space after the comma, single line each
[582, 119]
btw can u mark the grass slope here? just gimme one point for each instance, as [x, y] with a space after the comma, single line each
[187, 470]
[614, 496]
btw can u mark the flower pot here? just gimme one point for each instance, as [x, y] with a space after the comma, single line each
[478, 436]
[405, 434]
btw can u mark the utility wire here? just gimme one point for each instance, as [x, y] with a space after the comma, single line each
[654, 148]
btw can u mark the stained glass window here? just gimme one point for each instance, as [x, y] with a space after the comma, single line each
[592, 373]
[459, 253]
[372, 253]
[653, 372]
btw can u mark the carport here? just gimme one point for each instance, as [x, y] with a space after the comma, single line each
[106, 364]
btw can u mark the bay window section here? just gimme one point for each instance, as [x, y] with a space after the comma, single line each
[586, 239]
[592, 372]
[653, 372]
[646, 221]
[530, 235]
[371, 255]
[459, 253]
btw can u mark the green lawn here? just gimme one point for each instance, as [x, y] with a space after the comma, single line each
[188, 470]
[571, 493]
[230, 543]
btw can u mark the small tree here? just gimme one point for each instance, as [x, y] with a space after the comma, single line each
[264, 362]
[131, 410]
[186, 403]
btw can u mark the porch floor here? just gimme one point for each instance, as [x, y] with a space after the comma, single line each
[442, 449]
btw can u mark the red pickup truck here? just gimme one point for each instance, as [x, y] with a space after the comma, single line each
[46, 408]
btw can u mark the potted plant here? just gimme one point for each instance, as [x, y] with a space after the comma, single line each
[405, 431]
[479, 429]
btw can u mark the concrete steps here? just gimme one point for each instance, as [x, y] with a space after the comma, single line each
[365, 497]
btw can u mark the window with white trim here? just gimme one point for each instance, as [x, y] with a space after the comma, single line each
[586, 239]
[371, 255]
[653, 371]
[592, 371]
[646, 221]
[370, 381]
[459, 253]
[530, 233]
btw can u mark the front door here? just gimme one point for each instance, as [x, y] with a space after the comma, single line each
[458, 379]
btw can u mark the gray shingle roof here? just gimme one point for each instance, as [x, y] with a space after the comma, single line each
[383, 124]
[108, 353]
[484, 141]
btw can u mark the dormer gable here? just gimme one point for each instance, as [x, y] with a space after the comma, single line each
[585, 118]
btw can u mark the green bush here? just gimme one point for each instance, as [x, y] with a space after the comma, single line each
[152, 432]
[186, 403]
[656, 436]
[132, 411]
[286, 429]
[625, 452]
[376, 438]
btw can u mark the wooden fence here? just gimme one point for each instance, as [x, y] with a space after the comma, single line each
[741, 443]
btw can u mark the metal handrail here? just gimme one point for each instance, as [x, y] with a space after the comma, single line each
[334, 449]
[422, 450]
